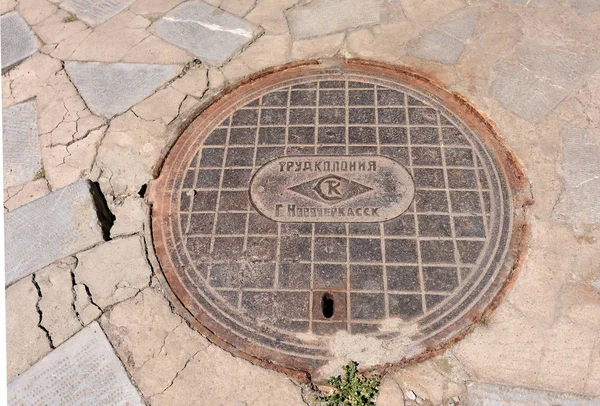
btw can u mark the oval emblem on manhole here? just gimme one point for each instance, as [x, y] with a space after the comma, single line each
[330, 188]
[318, 214]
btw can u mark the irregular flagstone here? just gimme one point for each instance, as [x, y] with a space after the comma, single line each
[485, 394]
[115, 32]
[580, 200]
[129, 216]
[57, 225]
[384, 42]
[25, 341]
[321, 17]
[269, 15]
[7, 5]
[155, 50]
[436, 46]
[21, 143]
[58, 316]
[128, 153]
[237, 7]
[35, 11]
[427, 381]
[114, 271]
[445, 43]
[167, 358]
[462, 26]
[110, 89]
[59, 27]
[66, 164]
[537, 77]
[95, 11]
[84, 370]
[18, 42]
[194, 83]
[153, 342]
[317, 47]
[162, 105]
[17, 196]
[207, 32]
[390, 394]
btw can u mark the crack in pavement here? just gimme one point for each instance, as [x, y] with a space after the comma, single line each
[39, 311]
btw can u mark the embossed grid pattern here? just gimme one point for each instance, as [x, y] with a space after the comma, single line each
[278, 272]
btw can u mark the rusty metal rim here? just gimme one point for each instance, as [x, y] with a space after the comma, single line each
[514, 176]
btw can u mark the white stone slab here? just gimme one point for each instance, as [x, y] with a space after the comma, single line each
[21, 143]
[95, 11]
[484, 394]
[57, 225]
[82, 371]
[207, 32]
[322, 17]
[112, 88]
[18, 41]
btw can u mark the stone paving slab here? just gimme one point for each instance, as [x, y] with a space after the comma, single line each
[21, 143]
[446, 42]
[484, 394]
[322, 17]
[111, 89]
[581, 196]
[95, 11]
[537, 77]
[57, 225]
[83, 371]
[18, 42]
[207, 32]
[586, 6]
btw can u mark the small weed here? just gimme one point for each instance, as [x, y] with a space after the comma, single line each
[69, 19]
[353, 389]
[40, 174]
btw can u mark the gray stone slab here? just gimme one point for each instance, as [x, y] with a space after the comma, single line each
[207, 32]
[322, 17]
[21, 143]
[18, 41]
[446, 42]
[462, 26]
[586, 6]
[112, 88]
[436, 46]
[536, 78]
[483, 394]
[95, 11]
[59, 224]
[580, 200]
[83, 371]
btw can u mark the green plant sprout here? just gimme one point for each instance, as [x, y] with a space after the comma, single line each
[353, 389]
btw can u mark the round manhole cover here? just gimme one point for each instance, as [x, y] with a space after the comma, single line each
[315, 215]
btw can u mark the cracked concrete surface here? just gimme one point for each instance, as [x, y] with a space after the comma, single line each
[529, 66]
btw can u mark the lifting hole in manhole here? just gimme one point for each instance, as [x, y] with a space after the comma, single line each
[327, 305]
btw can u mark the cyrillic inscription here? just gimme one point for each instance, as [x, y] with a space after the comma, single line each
[332, 189]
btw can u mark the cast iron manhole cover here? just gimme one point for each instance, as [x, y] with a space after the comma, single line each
[315, 215]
